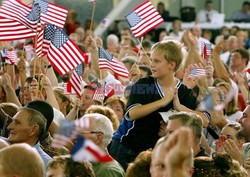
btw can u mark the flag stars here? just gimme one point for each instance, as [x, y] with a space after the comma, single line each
[133, 19]
[60, 38]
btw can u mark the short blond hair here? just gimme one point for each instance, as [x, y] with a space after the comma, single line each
[171, 50]
[21, 160]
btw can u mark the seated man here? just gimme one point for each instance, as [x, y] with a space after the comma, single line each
[206, 14]
[29, 126]
[101, 132]
[64, 166]
[243, 14]
[20, 160]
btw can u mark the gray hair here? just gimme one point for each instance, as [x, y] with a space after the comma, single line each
[113, 38]
[36, 118]
[102, 124]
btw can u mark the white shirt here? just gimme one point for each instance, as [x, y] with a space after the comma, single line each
[225, 56]
[202, 15]
[58, 116]
[176, 37]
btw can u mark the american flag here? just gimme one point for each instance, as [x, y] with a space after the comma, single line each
[61, 51]
[68, 130]
[143, 19]
[206, 49]
[86, 150]
[76, 80]
[208, 102]
[13, 30]
[197, 72]
[107, 61]
[52, 13]
[18, 11]
[36, 11]
[103, 92]
[9, 56]
[87, 58]
[99, 94]
[67, 89]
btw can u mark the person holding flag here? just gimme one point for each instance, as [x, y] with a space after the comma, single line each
[160, 92]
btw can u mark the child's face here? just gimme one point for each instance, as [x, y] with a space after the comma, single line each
[160, 66]
[55, 172]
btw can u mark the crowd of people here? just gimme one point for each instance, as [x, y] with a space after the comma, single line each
[163, 120]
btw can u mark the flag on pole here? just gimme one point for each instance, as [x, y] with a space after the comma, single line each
[52, 13]
[68, 130]
[36, 11]
[67, 89]
[62, 52]
[86, 150]
[206, 49]
[14, 30]
[76, 80]
[107, 61]
[143, 19]
[99, 94]
[197, 72]
[20, 12]
[9, 56]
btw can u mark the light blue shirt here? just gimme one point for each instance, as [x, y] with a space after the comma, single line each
[46, 158]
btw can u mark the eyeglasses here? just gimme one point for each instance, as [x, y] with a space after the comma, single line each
[92, 132]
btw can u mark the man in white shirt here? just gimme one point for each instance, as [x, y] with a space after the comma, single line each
[205, 15]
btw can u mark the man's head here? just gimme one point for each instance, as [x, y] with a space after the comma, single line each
[246, 6]
[87, 98]
[100, 130]
[196, 31]
[239, 58]
[232, 43]
[44, 108]
[209, 5]
[166, 58]
[20, 160]
[112, 43]
[186, 119]
[127, 43]
[125, 33]
[64, 166]
[160, 7]
[144, 59]
[28, 126]
[157, 166]
[176, 25]
[128, 61]
[245, 123]
[231, 131]
[30, 83]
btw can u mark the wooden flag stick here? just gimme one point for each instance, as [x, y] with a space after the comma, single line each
[92, 17]
[140, 42]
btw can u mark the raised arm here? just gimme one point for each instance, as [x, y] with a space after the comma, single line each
[10, 92]
[219, 68]
[91, 46]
